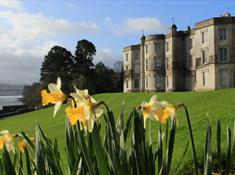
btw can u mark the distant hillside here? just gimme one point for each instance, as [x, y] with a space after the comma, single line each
[9, 89]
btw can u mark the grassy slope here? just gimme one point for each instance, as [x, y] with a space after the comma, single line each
[215, 105]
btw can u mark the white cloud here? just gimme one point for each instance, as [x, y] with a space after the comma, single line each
[27, 37]
[12, 4]
[107, 56]
[21, 64]
[32, 26]
[136, 25]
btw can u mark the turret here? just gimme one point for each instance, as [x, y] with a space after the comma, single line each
[173, 29]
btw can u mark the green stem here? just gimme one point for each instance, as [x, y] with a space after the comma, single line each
[191, 136]
[150, 137]
[74, 101]
[102, 103]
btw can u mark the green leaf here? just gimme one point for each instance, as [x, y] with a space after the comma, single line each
[228, 160]
[139, 144]
[20, 165]
[208, 157]
[71, 151]
[27, 161]
[77, 167]
[182, 157]
[233, 145]
[84, 150]
[218, 141]
[31, 144]
[160, 150]
[7, 163]
[128, 125]
[99, 152]
[171, 145]
[120, 121]
[39, 158]
[1, 166]
[191, 138]
[166, 134]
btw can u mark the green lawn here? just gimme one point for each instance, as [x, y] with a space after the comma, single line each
[202, 106]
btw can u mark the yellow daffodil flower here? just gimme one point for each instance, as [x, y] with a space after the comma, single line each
[21, 145]
[157, 110]
[6, 139]
[22, 142]
[86, 110]
[78, 114]
[91, 108]
[75, 114]
[55, 96]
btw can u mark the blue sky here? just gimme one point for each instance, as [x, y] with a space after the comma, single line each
[29, 28]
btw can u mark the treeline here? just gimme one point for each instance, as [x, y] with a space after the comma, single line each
[77, 70]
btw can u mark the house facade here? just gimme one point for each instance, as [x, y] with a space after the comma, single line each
[197, 59]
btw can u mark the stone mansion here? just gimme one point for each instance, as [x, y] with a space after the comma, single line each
[201, 58]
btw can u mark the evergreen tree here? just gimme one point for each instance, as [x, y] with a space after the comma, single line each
[84, 54]
[31, 94]
[58, 62]
[103, 78]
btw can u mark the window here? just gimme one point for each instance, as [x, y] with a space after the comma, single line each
[147, 65]
[146, 48]
[126, 70]
[223, 54]
[204, 78]
[147, 84]
[157, 47]
[167, 81]
[222, 34]
[167, 46]
[203, 37]
[136, 56]
[126, 84]
[190, 43]
[136, 83]
[157, 62]
[158, 82]
[167, 62]
[189, 61]
[137, 68]
[126, 57]
[224, 78]
[204, 57]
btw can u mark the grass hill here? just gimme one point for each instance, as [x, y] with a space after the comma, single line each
[204, 108]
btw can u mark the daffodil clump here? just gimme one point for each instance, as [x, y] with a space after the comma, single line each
[122, 148]
[9, 140]
[85, 110]
[82, 107]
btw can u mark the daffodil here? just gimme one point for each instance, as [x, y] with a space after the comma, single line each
[75, 114]
[22, 142]
[21, 145]
[157, 110]
[6, 139]
[92, 109]
[55, 96]
[168, 110]
[84, 109]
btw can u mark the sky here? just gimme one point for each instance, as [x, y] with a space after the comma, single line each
[30, 28]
